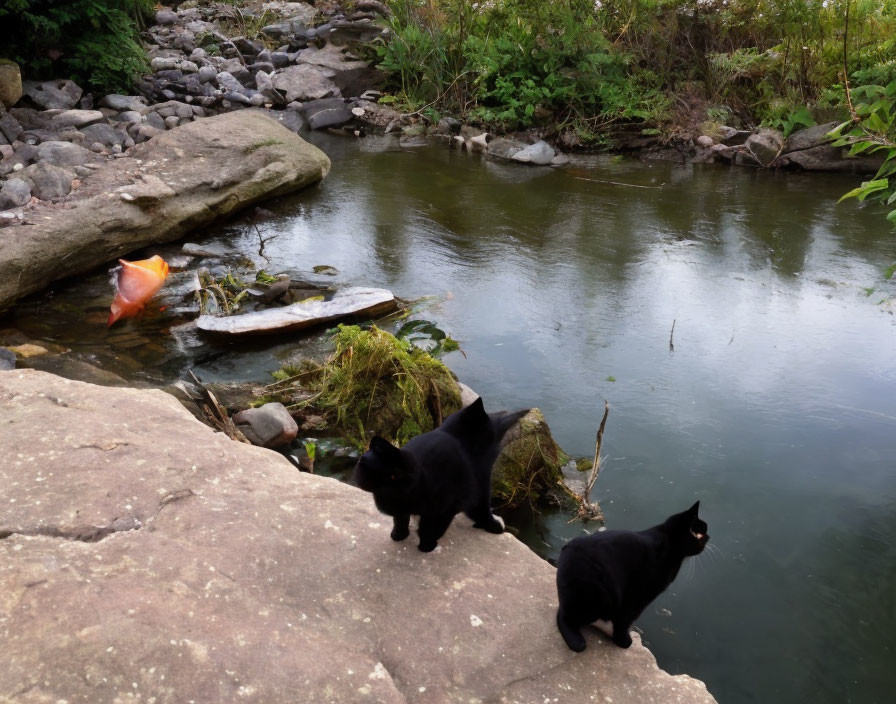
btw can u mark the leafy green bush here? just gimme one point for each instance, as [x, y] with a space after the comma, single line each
[587, 64]
[511, 62]
[94, 42]
[873, 131]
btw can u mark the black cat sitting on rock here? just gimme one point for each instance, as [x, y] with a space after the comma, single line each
[438, 474]
[613, 575]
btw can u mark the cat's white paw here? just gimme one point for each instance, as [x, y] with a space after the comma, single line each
[499, 520]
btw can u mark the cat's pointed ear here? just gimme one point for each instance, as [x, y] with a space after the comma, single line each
[694, 509]
[383, 448]
[477, 406]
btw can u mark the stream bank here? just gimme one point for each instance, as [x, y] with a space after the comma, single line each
[297, 62]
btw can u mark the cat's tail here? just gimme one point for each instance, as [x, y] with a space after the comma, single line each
[505, 420]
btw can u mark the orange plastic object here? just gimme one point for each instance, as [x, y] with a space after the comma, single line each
[135, 284]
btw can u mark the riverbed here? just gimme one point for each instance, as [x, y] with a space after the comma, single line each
[738, 322]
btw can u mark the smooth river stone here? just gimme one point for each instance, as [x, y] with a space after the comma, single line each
[348, 302]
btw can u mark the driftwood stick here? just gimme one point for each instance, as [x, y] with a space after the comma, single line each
[590, 510]
[595, 466]
[671, 335]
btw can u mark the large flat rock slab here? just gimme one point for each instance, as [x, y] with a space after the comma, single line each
[348, 302]
[176, 182]
[144, 557]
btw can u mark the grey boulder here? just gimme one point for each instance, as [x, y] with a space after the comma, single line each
[541, 153]
[306, 82]
[76, 118]
[765, 145]
[48, 181]
[327, 113]
[15, 192]
[62, 153]
[53, 95]
[269, 425]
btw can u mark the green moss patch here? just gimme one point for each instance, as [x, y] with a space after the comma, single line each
[528, 470]
[375, 384]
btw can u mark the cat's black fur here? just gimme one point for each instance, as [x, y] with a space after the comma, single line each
[438, 474]
[615, 574]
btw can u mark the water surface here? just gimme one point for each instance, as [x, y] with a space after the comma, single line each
[775, 408]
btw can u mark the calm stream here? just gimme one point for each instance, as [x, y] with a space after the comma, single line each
[776, 408]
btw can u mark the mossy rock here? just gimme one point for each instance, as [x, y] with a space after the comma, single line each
[529, 466]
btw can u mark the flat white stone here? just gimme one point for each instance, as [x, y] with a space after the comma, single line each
[350, 301]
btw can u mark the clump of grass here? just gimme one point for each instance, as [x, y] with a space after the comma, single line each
[376, 384]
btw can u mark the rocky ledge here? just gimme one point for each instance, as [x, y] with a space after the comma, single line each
[183, 179]
[145, 557]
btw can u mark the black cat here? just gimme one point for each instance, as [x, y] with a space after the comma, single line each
[615, 574]
[438, 474]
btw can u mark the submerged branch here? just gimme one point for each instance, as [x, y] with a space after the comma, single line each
[589, 510]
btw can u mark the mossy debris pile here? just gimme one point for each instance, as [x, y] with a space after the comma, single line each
[374, 384]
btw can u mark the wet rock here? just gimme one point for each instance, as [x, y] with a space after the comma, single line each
[448, 125]
[541, 153]
[731, 137]
[216, 251]
[48, 181]
[326, 113]
[69, 366]
[503, 148]
[346, 303]
[765, 145]
[723, 153]
[14, 193]
[271, 425]
[810, 137]
[53, 95]
[62, 153]
[10, 83]
[827, 158]
[305, 82]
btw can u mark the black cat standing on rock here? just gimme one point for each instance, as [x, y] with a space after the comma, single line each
[615, 574]
[438, 474]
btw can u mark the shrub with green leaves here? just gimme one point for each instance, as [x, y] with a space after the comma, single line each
[873, 131]
[94, 42]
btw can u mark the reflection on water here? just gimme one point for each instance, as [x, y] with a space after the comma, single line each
[775, 409]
